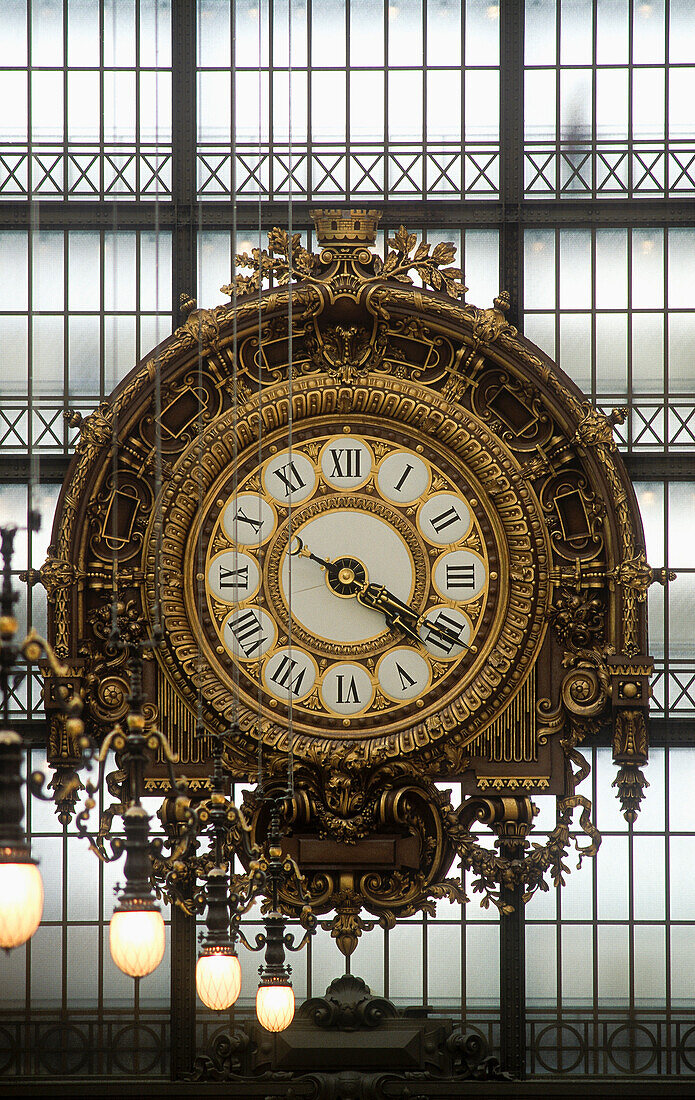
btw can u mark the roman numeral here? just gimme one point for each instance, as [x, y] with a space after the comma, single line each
[445, 519]
[460, 576]
[347, 462]
[406, 680]
[248, 632]
[290, 477]
[352, 695]
[443, 632]
[241, 517]
[284, 672]
[234, 578]
[404, 475]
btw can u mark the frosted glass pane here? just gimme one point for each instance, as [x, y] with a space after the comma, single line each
[682, 850]
[47, 106]
[84, 106]
[405, 106]
[540, 38]
[367, 960]
[539, 105]
[252, 36]
[155, 106]
[576, 896]
[82, 966]
[681, 268]
[650, 965]
[482, 105]
[13, 93]
[611, 269]
[648, 352]
[681, 346]
[286, 40]
[328, 107]
[326, 962]
[682, 616]
[14, 342]
[680, 101]
[155, 271]
[575, 348]
[443, 966]
[152, 331]
[613, 964]
[647, 268]
[119, 349]
[648, 116]
[405, 963]
[119, 33]
[681, 501]
[482, 32]
[214, 37]
[539, 269]
[576, 32]
[482, 965]
[119, 271]
[83, 33]
[84, 250]
[214, 268]
[655, 605]
[328, 32]
[405, 33]
[46, 964]
[683, 963]
[290, 106]
[611, 353]
[609, 817]
[47, 355]
[648, 885]
[612, 871]
[611, 103]
[577, 964]
[155, 32]
[14, 269]
[681, 785]
[648, 32]
[14, 976]
[214, 105]
[83, 356]
[443, 105]
[47, 270]
[444, 33]
[681, 31]
[366, 99]
[47, 33]
[251, 107]
[575, 269]
[481, 265]
[541, 980]
[49, 852]
[155, 992]
[651, 502]
[119, 106]
[612, 32]
[575, 104]
[14, 31]
[367, 32]
[43, 500]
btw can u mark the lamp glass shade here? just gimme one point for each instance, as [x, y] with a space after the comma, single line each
[218, 979]
[275, 1006]
[136, 939]
[21, 902]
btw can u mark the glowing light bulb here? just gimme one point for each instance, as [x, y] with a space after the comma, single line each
[275, 1006]
[136, 939]
[218, 978]
[21, 903]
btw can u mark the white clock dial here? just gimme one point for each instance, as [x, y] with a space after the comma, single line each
[403, 674]
[347, 689]
[333, 535]
[249, 519]
[290, 673]
[459, 575]
[444, 518]
[346, 462]
[249, 633]
[233, 576]
[290, 477]
[445, 631]
[403, 477]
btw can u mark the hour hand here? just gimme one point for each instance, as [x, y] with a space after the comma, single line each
[395, 612]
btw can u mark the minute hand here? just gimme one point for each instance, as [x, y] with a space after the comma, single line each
[394, 610]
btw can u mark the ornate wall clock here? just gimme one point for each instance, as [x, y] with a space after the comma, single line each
[392, 540]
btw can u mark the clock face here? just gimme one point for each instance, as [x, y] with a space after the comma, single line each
[347, 578]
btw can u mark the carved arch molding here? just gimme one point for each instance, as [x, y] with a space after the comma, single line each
[368, 821]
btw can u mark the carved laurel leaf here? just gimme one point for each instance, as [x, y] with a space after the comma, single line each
[444, 252]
